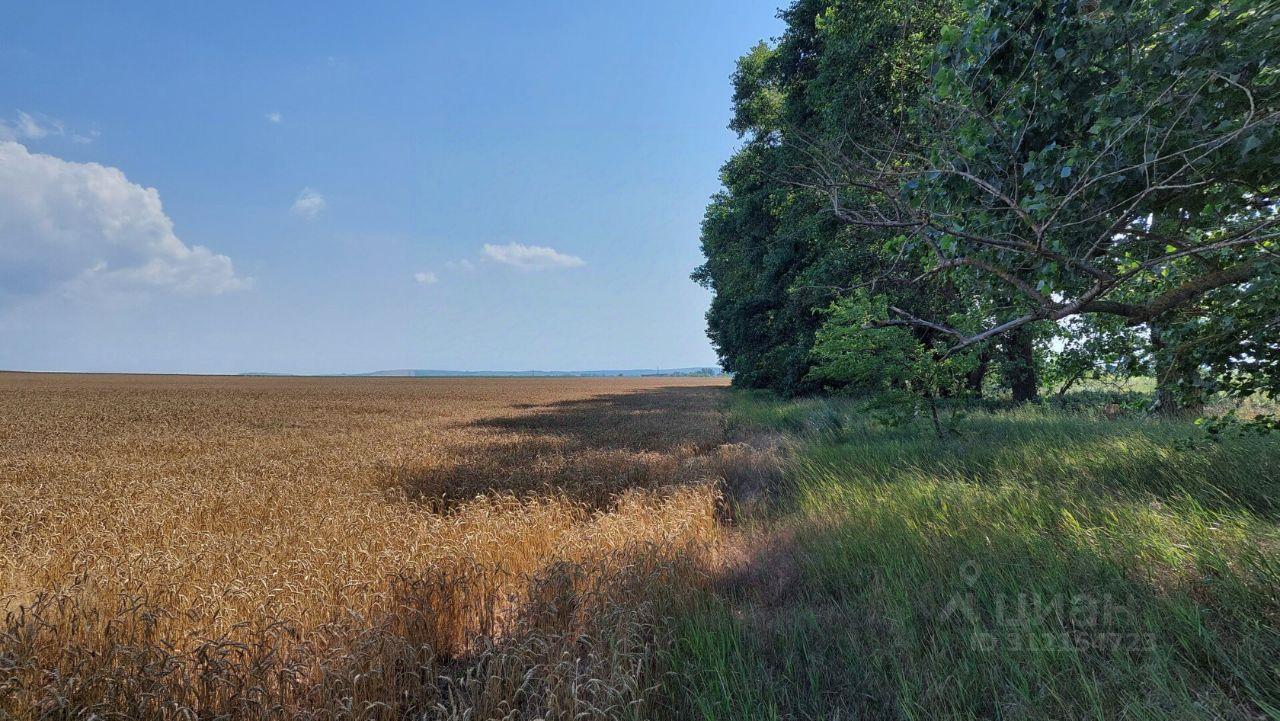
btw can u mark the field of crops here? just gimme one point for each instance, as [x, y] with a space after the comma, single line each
[272, 547]
[385, 548]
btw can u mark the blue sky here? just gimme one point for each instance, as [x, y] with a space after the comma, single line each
[341, 187]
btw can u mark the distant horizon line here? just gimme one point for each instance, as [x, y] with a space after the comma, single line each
[710, 370]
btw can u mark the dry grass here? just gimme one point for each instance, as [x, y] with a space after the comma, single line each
[346, 548]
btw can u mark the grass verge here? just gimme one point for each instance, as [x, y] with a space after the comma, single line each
[1043, 564]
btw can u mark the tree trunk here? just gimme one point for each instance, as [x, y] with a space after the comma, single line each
[978, 375]
[1177, 393]
[1020, 365]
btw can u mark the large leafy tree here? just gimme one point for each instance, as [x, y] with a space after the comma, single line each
[1096, 158]
[759, 238]
[766, 244]
[776, 256]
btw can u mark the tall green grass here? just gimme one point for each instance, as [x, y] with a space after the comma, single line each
[1043, 564]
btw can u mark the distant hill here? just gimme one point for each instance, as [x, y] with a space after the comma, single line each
[626, 373]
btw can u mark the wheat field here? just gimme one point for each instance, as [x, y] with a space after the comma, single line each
[218, 547]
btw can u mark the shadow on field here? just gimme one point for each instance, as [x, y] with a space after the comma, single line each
[475, 642]
[659, 419]
[457, 640]
[589, 450]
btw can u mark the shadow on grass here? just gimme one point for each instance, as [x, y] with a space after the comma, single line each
[1134, 459]
[909, 607]
[1043, 564]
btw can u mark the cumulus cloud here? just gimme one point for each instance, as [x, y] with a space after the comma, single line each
[425, 277]
[275, 117]
[531, 257]
[460, 265]
[309, 204]
[76, 226]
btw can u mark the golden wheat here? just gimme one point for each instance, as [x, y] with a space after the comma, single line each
[345, 548]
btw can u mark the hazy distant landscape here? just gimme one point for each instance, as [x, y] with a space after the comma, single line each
[630, 373]
[709, 372]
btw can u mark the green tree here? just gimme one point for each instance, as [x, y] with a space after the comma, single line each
[776, 255]
[1097, 158]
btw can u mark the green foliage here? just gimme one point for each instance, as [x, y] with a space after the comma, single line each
[1115, 158]
[768, 259]
[903, 376]
[776, 257]
[847, 351]
[1001, 172]
[1096, 349]
[1231, 423]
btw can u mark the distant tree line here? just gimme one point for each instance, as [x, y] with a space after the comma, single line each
[946, 197]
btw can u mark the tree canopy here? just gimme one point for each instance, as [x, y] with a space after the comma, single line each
[1026, 187]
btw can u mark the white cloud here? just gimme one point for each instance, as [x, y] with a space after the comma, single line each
[275, 117]
[84, 226]
[460, 265]
[28, 126]
[309, 204]
[425, 277]
[531, 257]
